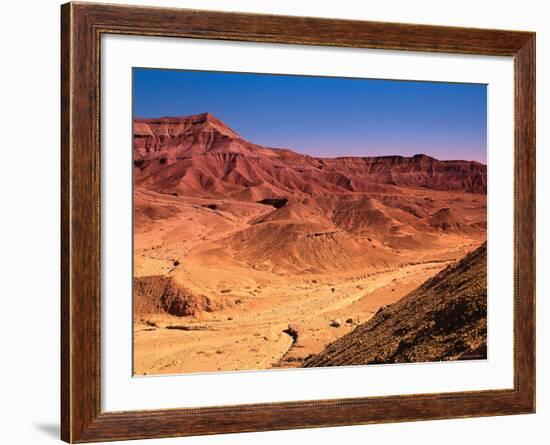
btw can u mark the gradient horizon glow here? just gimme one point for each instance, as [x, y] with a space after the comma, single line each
[326, 116]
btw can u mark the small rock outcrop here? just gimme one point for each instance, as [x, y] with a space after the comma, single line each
[158, 294]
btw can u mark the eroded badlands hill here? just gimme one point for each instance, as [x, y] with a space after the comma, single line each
[312, 214]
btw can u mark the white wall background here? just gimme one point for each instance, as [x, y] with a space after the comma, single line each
[29, 218]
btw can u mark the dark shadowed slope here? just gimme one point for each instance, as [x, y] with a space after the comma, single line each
[444, 319]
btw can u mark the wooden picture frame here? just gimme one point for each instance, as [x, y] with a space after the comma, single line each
[82, 25]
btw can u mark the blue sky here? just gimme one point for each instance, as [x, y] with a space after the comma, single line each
[327, 116]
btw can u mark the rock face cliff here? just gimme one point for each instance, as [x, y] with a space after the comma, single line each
[199, 154]
[443, 319]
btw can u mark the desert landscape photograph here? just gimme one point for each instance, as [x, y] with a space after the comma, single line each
[286, 221]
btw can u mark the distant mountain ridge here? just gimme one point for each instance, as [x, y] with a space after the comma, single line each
[201, 154]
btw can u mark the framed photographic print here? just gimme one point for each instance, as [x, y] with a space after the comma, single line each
[279, 222]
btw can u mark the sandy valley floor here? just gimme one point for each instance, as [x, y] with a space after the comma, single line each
[266, 317]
